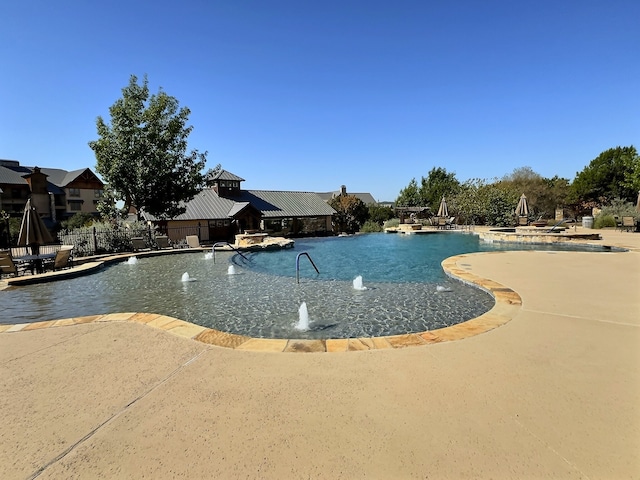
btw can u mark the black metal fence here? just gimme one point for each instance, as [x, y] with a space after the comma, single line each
[95, 240]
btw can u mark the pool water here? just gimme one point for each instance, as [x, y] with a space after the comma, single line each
[406, 289]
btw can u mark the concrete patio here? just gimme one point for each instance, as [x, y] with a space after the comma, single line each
[552, 393]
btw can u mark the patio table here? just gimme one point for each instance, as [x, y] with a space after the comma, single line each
[35, 262]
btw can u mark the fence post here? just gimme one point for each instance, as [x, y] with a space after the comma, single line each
[95, 241]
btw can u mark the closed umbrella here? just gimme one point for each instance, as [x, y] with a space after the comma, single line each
[638, 203]
[522, 209]
[33, 232]
[443, 211]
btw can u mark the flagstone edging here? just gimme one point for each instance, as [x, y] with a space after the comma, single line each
[507, 305]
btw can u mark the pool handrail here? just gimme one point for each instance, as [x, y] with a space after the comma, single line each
[213, 250]
[557, 224]
[298, 265]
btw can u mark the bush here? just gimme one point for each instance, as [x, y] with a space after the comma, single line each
[394, 222]
[602, 221]
[619, 208]
[370, 227]
[78, 220]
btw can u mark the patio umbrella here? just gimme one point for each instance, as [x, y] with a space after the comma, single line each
[33, 232]
[522, 209]
[443, 211]
[638, 203]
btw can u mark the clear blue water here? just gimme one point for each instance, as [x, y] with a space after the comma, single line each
[401, 273]
[377, 257]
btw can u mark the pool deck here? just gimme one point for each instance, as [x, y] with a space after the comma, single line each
[552, 393]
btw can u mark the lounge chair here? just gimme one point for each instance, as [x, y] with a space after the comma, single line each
[138, 243]
[193, 241]
[8, 266]
[442, 222]
[162, 242]
[628, 224]
[63, 258]
[451, 223]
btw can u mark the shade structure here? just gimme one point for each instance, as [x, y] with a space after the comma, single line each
[443, 211]
[522, 209]
[33, 232]
[638, 203]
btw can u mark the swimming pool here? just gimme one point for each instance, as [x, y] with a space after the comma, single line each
[406, 289]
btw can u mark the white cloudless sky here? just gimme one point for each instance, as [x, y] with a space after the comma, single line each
[311, 95]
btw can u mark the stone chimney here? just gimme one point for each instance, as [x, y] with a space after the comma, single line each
[39, 195]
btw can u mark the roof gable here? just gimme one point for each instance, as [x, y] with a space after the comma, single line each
[277, 204]
[225, 175]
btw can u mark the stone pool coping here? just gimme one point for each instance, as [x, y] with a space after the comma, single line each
[507, 305]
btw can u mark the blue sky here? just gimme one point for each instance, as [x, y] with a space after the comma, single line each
[310, 95]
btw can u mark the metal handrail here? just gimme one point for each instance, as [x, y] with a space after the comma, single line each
[298, 265]
[557, 224]
[213, 250]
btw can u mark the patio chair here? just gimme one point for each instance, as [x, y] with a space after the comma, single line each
[193, 241]
[8, 266]
[628, 224]
[63, 258]
[442, 222]
[451, 223]
[523, 221]
[162, 242]
[138, 243]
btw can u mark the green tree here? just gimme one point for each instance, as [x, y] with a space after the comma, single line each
[143, 155]
[438, 183]
[466, 203]
[612, 174]
[409, 196]
[497, 203]
[107, 206]
[77, 220]
[379, 213]
[544, 195]
[351, 213]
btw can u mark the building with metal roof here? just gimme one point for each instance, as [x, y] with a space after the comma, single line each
[222, 210]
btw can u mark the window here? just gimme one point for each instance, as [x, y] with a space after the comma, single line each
[75, 206]
[223, 184]
[98, 193]
[74, 192]
[235, 184]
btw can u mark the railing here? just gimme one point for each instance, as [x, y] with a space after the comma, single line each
[213, 250]
[298, 265]
[557, 225]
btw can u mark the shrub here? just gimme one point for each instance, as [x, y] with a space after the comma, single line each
[370, 227]
[78, 220]
[619, 208]
[394, 222]
[602, 221]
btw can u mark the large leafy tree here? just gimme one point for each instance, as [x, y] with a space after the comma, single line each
[379, 213]
[544, 195]
[610, 175]
[467, 204]
[409, 196]
[437, 184]
[351, 212]
[142, 154]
